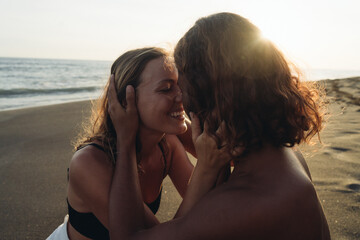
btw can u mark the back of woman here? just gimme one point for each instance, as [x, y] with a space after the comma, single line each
[245, 85]
[273, 193]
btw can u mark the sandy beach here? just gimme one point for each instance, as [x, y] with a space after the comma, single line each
[35, 146]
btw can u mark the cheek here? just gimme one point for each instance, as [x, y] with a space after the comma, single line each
[149, 108]
[143, 107]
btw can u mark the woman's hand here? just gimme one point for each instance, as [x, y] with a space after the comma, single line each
[211, 167]
[125, 120]
[210, 157]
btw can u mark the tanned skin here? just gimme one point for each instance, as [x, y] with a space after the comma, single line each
[269, 194]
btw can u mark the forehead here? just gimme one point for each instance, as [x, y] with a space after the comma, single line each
[156, 71]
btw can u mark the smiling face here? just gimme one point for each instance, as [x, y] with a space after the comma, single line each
[159, 99]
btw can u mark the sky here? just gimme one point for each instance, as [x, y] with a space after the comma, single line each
[312, 33]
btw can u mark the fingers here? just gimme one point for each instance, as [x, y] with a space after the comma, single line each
[113, 101]
[112, 96]
[195, 126]
[221, 130]
[114, 106]
[130, 98]
[111, 89]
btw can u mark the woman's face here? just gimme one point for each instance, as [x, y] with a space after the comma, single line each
[159, 99]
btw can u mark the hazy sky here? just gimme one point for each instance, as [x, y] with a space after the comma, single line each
[313, 33]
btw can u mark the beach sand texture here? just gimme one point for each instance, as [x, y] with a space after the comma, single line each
[35, 146]
[335, 166]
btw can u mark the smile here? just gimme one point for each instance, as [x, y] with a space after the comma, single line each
[178, 115]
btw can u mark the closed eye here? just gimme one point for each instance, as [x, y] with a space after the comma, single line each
[166, 88]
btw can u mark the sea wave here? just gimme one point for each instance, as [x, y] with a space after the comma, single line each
[30, 91]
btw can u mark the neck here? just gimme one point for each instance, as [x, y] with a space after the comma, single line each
[149, 139]
[259, 162]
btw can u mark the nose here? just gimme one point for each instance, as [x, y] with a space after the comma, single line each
[178, 95]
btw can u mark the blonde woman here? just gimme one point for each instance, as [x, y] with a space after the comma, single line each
[160, 153]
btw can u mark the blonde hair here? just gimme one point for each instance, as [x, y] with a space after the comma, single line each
[127, 70]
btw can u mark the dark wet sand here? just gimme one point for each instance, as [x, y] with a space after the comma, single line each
[35, 146]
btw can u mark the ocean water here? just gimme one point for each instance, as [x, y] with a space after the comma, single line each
[26, 82]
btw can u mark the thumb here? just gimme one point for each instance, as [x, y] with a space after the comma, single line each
[195, 127]
[130, 98]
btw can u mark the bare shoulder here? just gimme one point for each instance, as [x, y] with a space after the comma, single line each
[90, 174]
[89, 160]
[215, 216]
[301, 159]
[240, 212]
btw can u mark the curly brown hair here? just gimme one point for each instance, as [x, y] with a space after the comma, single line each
[230, 74]
[127, 70]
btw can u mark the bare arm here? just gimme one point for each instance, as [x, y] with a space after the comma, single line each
[89, 183]
[180, 167]
[126, 207]
[211, 161]
[229, 211]
[213, 218]
[131, 213]
[127, 220]
[90, 179]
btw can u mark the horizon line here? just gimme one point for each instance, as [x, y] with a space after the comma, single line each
[97, 60]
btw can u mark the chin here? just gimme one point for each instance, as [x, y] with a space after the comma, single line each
[184, 129]
[179, 130]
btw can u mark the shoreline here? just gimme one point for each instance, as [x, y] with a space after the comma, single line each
[35, 143]
[47, 104]
[44, 104]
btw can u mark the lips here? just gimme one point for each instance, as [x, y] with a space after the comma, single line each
[177, 114]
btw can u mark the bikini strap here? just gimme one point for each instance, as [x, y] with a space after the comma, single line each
[98, 146]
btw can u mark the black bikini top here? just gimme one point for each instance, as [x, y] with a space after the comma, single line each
[87, 223]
